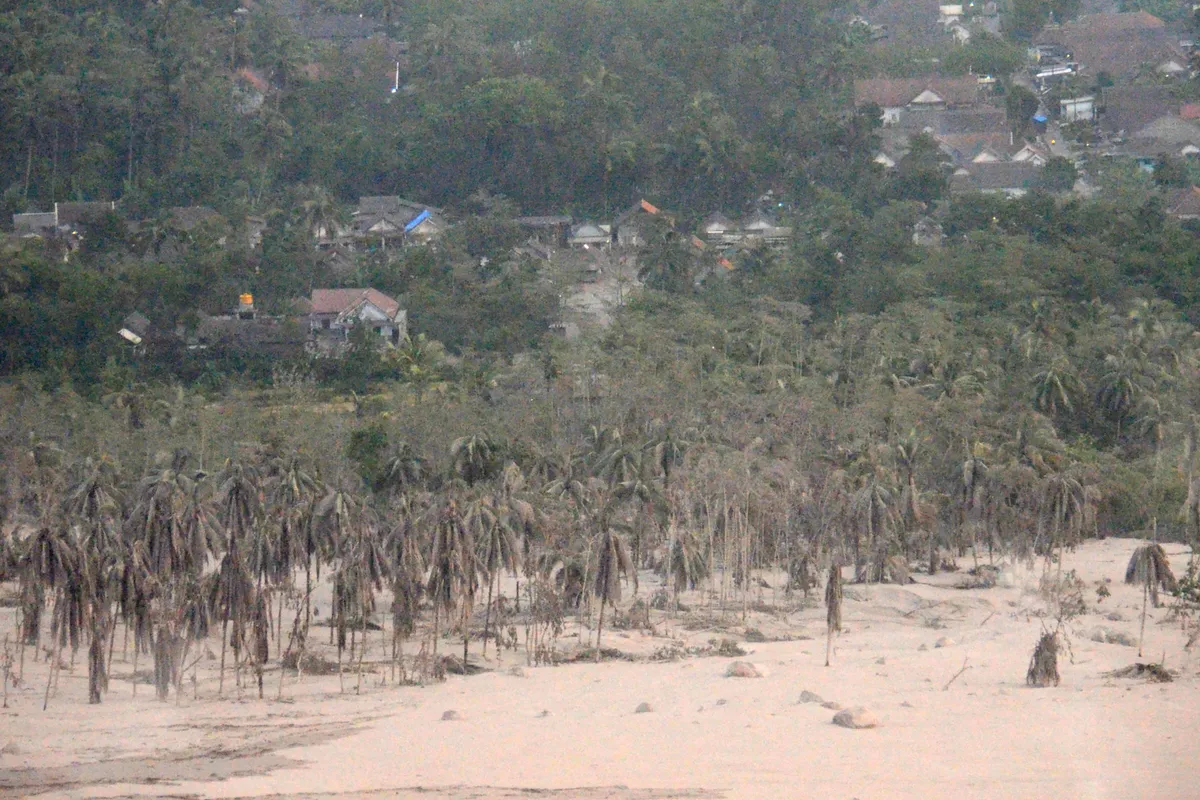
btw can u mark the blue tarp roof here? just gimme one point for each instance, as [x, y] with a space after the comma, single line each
[1041, 118]
[417, 220]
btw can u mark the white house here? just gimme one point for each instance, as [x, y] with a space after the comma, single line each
[1077, 109]
[336, 312]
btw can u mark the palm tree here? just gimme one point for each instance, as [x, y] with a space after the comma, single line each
[406, 566]
[361, 569]
[94, 504]
[612, 563]
[240, 518]
[1054, 387]
[172, 529]
[52, 560]
[291, 500]
[1064, 504]
[402, 471]
[974, 473]
[454, 574]
[322, 216]
[499, 524]
[334, 519]
[1122, 384]
[873, 506]
[833, 608]
[474, 458]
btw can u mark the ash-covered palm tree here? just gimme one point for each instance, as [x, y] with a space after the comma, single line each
[334, 520]
[359, 572]
[971, 489]
[402, 471]
[474, 458]
[172, 529]
[53, 560]
[406, 566]
[499, 523]
[453, 571]
[1064, 506]
[94, 505]
[240, 518]
[612, 563]
[873, 507]
[291, 499]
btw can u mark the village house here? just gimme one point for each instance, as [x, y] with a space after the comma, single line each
[547, 230]
[1168, 135]
[896, 97]
[334, 313]
[66, 219]
[1032, 153]
[1118, 44]
[1011, 178]
[719, 230]
[1124, 109]
[629, 229]
[1184, 204]
[587, 235]
[1077, 109]
[243, 331]
[388, 217]
[760, 226]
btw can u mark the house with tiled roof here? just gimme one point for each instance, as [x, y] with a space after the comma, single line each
[895, 95]
[1184, 204]
[1012, 178]
[1120, 44]
[388, 217]
[335, 313]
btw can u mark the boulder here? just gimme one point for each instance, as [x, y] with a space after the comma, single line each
[643, 708]
[810, 697]
[1105, 635]
[945, 641]
[856, 718]
[742, 669]
[451, 716]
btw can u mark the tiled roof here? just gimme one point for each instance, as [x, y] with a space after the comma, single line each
[339, 301]
[895, 93]
[1118, 44]
[1185, 204]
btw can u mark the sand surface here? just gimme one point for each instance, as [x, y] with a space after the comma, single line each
[946, 732]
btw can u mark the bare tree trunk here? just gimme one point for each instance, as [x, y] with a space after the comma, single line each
[487, 615]
[362, 649]
[466, 626]
[135, 662]
[97, 674]
[52, 672]
[224, 644]
[600, 629]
